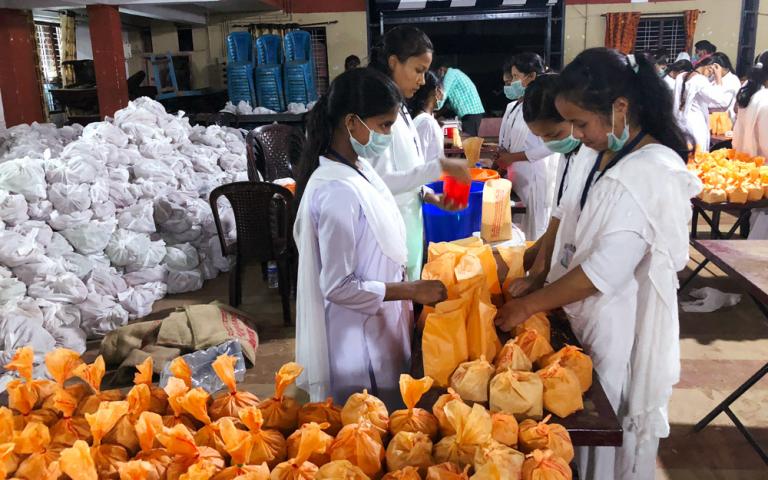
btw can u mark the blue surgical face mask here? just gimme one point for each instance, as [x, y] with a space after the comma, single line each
[378, 143]
[694, 58]
[515, 90]
[617, 143]
[564, 145]
[662, 73]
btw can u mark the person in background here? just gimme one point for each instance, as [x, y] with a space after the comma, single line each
[660, 63]
[731, 83]
[352, 61]
[405, 54]
[531, 166]
[695, 94]
[702, 50]
[680, 66]
[422, 107]
[353, 308]
[750, 134]
[458, 89]
[622, 238]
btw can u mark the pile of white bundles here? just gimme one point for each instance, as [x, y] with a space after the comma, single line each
[98, 223]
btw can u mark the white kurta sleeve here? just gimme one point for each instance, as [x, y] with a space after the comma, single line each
[404, 181]
[716, 97]
[339, 221]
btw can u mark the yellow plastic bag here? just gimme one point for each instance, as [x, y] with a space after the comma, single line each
[299, 467]
[512, 357]
[360, 443]
[319, 457]
[282, 412]
[158, 399]
[322, 412]
[546, 436]
[229, 404]
[444, 344]
[413, 419]
[447, 471]
[363, 406]
[482, 339]
[514, 258]
[195, 404]
[238, 445]
[508, 461]
[77, 463]
[575, 359]
[438, 410]
[489, 267]
[441, 268]
[473, 429]
[180, 443]
[496, 222]
[244, 472]
[68, 429]
[407, 473]
[517, 393]
[34, 442]
[544, 465]
[505, 429]
[562, 390]
[533, 344]
[471, 380]
[269, 446]
[538, 322]
[409, 449]
[340, 470]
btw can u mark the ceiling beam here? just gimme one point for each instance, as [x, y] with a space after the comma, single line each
[168, 14]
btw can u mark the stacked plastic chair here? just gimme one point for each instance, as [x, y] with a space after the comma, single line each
[240, 69]
[269, 81]
[299, 68]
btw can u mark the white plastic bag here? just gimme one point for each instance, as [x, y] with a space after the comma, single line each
[123, 194]
[91, 237]
[38, 230]
[145, 275]
[62, 288]
[17, 249]
[233, 162]
[13, 208]
[106, 281]
[138, 300]
[39, 269]
[181, 257]
[40, 210]
[63, 221]
[180, 281]
[25, 176]
[125, 247]
[58, 246]
[11, 290]
[78, 264]
[100, 190]
[70, 198]
[138, 218]
[103, 211]
[100, 315]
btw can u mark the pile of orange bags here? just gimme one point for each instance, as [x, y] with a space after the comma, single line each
[730, 176]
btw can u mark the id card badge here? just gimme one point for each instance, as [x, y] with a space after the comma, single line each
[569, 250]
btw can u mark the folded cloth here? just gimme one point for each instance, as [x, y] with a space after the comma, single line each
[119, 343]
[709, 299]
[176, 332]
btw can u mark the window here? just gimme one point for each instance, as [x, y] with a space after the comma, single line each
[48, 49]
[185, 40]
[654, 33]
[320, 57]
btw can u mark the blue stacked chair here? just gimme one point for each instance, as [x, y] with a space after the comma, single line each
[269, 81]
[299, 68]
[240, 71]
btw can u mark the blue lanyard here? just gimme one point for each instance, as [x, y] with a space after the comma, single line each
[343, 160]
[626, 150]
[562, 180]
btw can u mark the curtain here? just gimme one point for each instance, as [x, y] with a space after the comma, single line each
[67, 46]
[621, 30]
[690, 17]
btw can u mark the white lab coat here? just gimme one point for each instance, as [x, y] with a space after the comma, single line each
[351, 241]
[750, 135]
[534, 180]
[631, 239]
[700, 97]
[403, 169]
[731, 86]
[430, 137]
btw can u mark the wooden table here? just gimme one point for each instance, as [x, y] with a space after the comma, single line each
[745, 261]
[742, 212]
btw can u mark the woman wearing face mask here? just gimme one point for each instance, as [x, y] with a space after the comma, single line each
[421, 107]
[730, 84]
[405, 55]
[353, 309]
[696, 93]
[622, 238]
[530, 165]
[678, 68]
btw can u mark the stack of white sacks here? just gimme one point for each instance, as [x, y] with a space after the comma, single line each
[98, 223]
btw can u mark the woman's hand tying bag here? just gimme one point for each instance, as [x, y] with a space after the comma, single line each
[513, 313]
[457, 168]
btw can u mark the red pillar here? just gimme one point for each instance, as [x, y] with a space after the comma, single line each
[18, 75]
[108, 58]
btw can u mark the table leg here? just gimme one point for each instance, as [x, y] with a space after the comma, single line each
[716, 235]
[745, 224]
[695, 223]
[696, 271]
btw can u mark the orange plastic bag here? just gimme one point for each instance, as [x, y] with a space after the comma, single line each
[407, 473]
[180, 369]
[244, 472]
[105, 419]
[444, 344]
[482, 339]
[176, 389]
[9, 462]
[340, 470]
[438, 410]
[512, 357]
[124, 431]
[180, 443]
[21, 363]
[137, 470]
[282, 412]
[575, 359]
[148, 425]
[517, 393]
[562, 390]
[508, 460]
[489, 267]
[473, 429]
[413, 419]
[362, 406]
[409, 449]
[238, 445]
[159, 458]
[546, 436]
[318, 458]
[538, 322]
[269, 446]
[107, 459]
[34, 441]
[195, 404]
[92, 375]
[22, 398]
[229, 404]
[360, 443]
[533, 344]
[299, 467]
[441, 268]
[158, 399]
[68, 429]
[544, 465]
[322, 412]
[447, 471]
[471, 380]
[514, 258]
[505, 429]
[61, 364]
[77, 463]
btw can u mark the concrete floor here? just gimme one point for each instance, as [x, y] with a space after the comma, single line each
[719, 352]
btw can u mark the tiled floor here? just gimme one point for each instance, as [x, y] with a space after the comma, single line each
[719, 351]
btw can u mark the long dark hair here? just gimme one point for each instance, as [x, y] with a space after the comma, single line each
[539, 99]
[717, 58]
[680, 66]
[756, 78]
[528, 62]
[418, 102]
[403, 42]
[598, 76]
[364, 92]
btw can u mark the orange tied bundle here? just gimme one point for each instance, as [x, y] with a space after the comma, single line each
[575, 359]
[148, 426]
[361, 444]
[77, 462]
[299, 467]
[546, 436]
[518, 393]
[180, 369]
[176, 389]
[21, 363]
[505, 429]
[508, 461]
[413, 419]
[180, 443]
[368, 407]
[471, 380]
[158, 399]
[533, 344]
[137, 470]
[407, 473]
[409, 449]
[562, 390]
[340, 470]
[538, 322]
[92, 375]
[512, 357]
[69, 429]
[473, 429]
[268, 445]
[34, 441]
[105, 419]
[8, 460]
[444, 341]
[238, 444]
[447, 471]
[438, 410]
[282, 412]
[322, 412]
[195, 404]
[61, 364]
[544, 465]
[318, 458]
[124, 431]
[229, 404]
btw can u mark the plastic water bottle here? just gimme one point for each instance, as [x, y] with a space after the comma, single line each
[272, 278]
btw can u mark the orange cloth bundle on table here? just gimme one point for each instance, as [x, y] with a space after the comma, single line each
[730, 176]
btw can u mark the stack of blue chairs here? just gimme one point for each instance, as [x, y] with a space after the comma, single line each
[269, 81]
[299, 68]
[240, 71]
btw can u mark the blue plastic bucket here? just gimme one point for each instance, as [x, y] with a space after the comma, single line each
[442, 226]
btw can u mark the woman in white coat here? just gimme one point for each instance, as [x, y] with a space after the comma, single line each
[405, 54]
[421, 107]
[750, 134]
[730, 83]
[696, 93]
[530, 165]
[353, 310]
[622, 238]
